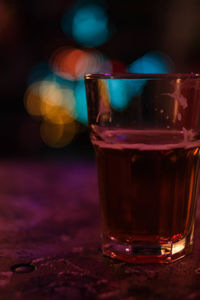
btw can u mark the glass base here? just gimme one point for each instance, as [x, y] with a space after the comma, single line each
[139, 253]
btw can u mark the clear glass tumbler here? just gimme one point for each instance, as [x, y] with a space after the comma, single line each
[145, 129]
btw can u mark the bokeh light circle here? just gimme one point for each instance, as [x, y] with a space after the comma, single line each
[152, 62]
[88, 24]
[72, 63]
[58, 135]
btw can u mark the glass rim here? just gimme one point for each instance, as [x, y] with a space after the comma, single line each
[142, 76]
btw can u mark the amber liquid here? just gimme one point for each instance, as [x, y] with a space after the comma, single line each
[147, 195]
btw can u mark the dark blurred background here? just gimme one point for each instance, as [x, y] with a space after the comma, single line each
[47, 46]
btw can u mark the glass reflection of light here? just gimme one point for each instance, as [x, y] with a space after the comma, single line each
[176, 103]
[178, 246]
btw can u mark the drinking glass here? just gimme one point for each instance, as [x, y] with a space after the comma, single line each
[145, 129]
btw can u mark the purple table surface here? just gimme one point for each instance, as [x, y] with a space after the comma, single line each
[50, 241]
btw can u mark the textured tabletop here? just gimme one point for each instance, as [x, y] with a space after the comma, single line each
[50, 244]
